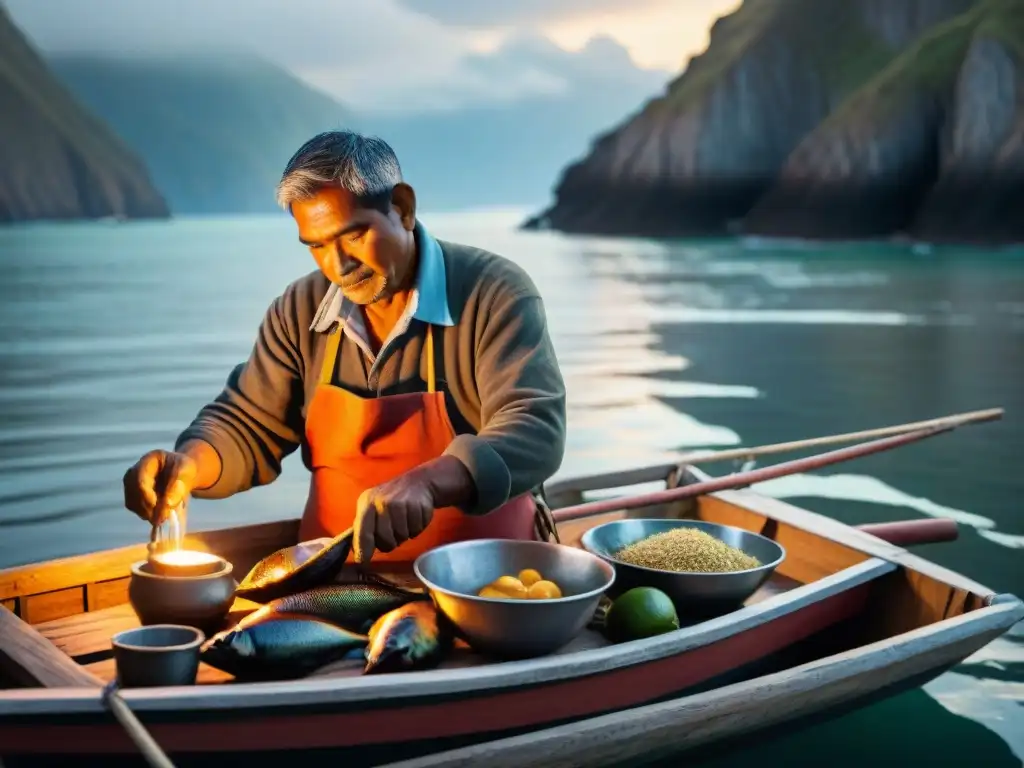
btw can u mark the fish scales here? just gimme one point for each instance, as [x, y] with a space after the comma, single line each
[352, 606]
[280, 646]
[296, 568]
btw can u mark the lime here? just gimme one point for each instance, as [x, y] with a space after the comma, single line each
[640, 612]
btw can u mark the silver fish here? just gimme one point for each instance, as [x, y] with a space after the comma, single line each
[352, 606]
[293, 569]
[280, 646]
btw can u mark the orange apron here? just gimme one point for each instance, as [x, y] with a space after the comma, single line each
[358, 443]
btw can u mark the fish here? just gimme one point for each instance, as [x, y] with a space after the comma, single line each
[297, 568]
[353, 606]
[414, 636]
[281, 646]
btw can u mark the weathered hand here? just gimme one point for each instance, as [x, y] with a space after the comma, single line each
[157, 483]
[392, 513]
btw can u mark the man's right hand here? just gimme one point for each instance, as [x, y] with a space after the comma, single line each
[158, 482]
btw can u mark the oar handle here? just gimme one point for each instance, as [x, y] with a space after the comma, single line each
[909, 533]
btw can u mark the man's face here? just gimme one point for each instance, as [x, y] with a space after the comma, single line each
[365, 252]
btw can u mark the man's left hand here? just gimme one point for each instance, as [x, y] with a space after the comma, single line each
[392, 513]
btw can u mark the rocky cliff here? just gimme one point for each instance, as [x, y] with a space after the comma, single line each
[859, 118]
[57, 161]
[215, 129]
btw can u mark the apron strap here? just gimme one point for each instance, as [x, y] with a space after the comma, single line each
[330, 356]
[431, 374]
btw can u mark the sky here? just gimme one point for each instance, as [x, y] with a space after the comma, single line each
[385, 54]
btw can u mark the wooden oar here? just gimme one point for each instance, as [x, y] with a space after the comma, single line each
[956, 420]
[743, 479]
[136, 731]
[704, 456]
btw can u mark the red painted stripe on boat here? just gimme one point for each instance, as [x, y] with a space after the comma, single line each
[513, 708]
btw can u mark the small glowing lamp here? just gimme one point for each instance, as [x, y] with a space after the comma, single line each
[185, 562]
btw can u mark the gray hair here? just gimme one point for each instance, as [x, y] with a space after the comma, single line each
[363, 165]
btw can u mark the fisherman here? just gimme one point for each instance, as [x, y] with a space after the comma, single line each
[417, 375]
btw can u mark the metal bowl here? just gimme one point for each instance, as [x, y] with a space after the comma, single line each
[200, 601]
[513, 628]
[694, 594]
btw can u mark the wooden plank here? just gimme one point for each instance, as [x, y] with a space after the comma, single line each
[106, 594]
[106, 670]
[88, 634]
[808, 555]
[645, 733]
[242, 546]
[605, 480]
[916, 599]
[927, 568]
[53, 605]
[11, 604]
[28, 658]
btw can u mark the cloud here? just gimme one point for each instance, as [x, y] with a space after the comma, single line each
[365, 52]
[377, 56]
[526, 66]
[297, 34]
[488, 14]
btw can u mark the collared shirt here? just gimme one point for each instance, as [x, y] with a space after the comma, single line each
[428, 302]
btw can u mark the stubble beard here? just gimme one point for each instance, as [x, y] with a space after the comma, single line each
[381, 292]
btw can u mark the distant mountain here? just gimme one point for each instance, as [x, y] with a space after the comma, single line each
[56, 160]
[508, 154]
[216, 131]
[855, 119]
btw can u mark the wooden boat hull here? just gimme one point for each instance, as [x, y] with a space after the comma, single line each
[858, 617]
[483, 712]
[797, 697]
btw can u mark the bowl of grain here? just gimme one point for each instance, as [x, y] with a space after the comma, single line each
[706, 568]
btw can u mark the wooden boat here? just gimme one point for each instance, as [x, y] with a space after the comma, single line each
[848, 616]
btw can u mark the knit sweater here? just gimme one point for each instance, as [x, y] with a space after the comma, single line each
[495, 363]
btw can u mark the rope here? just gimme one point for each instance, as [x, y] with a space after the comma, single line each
[137, 732]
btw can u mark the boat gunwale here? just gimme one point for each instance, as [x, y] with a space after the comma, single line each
[708, 707]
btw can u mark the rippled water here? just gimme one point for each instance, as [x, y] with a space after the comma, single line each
[113, 335]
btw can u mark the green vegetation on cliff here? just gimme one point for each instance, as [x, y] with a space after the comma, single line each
[829, 38]
[932, 63]
[803, 118]
[57, 161]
